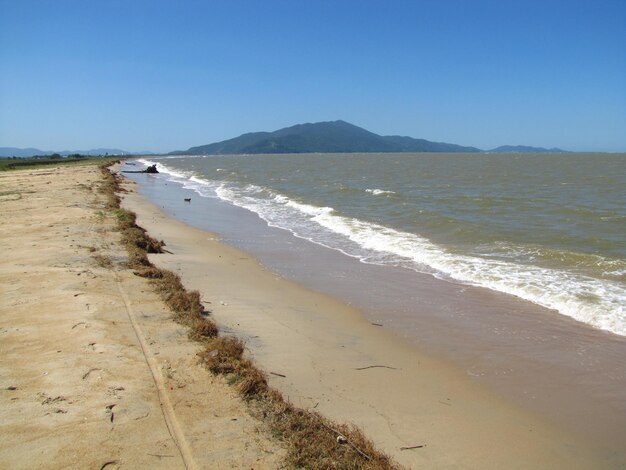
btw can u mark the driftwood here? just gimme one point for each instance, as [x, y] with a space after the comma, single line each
[150, 169]
[412, 447]
[372, 367]
[279, 375]
[86, 374]
[109, 462]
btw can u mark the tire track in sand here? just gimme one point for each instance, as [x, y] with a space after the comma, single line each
[169, 415]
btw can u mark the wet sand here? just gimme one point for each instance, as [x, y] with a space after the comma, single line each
[336, 361]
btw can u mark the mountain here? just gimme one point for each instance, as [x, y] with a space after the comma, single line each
[321, 137]
[17, 152]
[524, 149]
[409, 144]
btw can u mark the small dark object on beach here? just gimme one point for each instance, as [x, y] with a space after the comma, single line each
[106, 464]
[187, 199]
[412, 447]
[372, 367]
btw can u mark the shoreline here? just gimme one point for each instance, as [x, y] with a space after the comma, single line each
[325, 350]
[569, 373]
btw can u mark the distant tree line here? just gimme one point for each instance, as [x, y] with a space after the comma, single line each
[8, 163]
[56, 156]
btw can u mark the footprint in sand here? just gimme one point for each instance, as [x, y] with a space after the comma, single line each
[94, 347]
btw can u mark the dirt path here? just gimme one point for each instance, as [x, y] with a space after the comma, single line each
[93, 373]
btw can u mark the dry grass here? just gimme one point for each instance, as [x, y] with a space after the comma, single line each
[223, 354]
[186, 305]
[311, 440]
[202, 329]
[110, 187]
[103, 261]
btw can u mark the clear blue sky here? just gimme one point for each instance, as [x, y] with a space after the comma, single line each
[157, 75]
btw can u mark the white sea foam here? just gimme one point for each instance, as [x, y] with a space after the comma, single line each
[600, 303]
[165, 169]
[144, 161]
[379, 192]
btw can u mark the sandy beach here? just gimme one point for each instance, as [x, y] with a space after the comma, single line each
[312, 235]
[96, 374]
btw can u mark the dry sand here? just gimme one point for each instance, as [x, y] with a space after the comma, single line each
[335, 362]
[92, 369]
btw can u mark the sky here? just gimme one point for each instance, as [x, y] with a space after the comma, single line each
[167, 75]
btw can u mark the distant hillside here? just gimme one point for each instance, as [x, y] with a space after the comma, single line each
[31, 152]
[409, 144]
[17, 152]
[524, 149]
[321, 137]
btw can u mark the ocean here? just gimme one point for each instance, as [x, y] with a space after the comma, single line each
[546, 228]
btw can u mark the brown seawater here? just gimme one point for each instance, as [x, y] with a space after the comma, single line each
[547, 228]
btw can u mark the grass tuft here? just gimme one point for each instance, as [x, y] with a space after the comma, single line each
[202, 329]
[253, 382]
[103, 261]
[222, 355]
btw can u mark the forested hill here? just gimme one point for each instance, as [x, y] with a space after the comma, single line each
[321, 137]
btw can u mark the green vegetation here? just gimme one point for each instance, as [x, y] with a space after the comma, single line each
[122, 215]
[15, 163]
